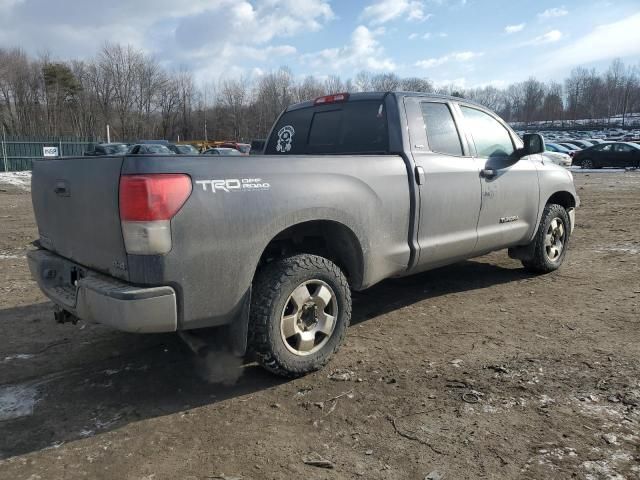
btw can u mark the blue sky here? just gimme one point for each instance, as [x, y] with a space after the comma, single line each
[467, 42]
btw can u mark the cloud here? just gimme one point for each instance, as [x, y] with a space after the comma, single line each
[383, 11]
[554, 12]
[203, 35]
[617, 39]
[363, 52]
[549, 37]
[451, 57]
[514, 28]
[424, 36]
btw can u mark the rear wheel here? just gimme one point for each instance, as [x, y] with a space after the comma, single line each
[300, 310]
[551, 240]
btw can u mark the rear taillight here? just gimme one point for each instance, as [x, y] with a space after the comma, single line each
[147, 204]
[336, 98]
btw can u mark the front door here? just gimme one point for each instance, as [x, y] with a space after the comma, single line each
[449, 183]
[510, 191]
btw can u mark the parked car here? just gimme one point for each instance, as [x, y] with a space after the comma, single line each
[615, 154]
[221, 151]
[149, 148]
[554, 147]
[570, 146]
[107, 149]
[183, 149]
[563, 159]
[270, 248]
[580, 143]
[243, 148]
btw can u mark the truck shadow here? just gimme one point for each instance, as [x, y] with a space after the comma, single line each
[64, 383]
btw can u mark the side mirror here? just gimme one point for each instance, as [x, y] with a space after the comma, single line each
[533, 143]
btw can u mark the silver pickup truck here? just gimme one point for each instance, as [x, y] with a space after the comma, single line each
[351, 189]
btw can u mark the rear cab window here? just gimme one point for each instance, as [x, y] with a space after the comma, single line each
[356, 126]
[442, 133]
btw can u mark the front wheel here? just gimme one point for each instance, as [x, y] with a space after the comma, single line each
[586, 163]
[300, 311]
[551, 240]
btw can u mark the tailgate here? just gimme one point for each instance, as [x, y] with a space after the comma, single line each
[75, 201]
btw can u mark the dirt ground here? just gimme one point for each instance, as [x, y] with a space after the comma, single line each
[477, 370]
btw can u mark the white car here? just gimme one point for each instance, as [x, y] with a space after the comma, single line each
[558, 158]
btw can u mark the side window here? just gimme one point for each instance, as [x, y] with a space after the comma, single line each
[442, 133]
[490, 137]
[606, 148]
[623, 148]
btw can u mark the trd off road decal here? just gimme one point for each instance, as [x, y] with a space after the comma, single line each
[234, 185]
[285, 139]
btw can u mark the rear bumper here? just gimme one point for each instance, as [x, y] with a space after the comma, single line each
[94, 297]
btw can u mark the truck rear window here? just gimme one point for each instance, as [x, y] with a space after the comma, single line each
[341, 128]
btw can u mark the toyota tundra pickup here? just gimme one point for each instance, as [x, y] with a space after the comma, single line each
[351, 189]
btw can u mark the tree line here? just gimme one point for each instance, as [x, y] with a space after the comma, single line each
[130, 91]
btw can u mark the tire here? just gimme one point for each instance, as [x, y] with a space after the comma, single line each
[293, 299]
[586, 163]
[551, 241]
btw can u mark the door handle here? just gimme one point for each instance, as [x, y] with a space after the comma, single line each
[488, 173]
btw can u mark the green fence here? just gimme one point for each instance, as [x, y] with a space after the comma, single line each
[18, 152]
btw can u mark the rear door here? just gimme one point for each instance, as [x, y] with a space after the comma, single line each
[624, 155]
[449, 183]
[510, 198]
[75, 201]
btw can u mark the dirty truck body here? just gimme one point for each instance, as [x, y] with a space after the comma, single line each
[350, 190]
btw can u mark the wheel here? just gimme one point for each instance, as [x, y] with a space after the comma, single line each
[586, 163]
[300, 311]
[551, 240]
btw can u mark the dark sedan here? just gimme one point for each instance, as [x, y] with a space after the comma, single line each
[614, 154]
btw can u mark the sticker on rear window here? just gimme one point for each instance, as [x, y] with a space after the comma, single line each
[285, 139]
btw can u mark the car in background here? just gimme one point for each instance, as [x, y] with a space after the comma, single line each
[243, 148]
[595, 141]
[579, 143]
[183, 149]
[555, 147]
[107, 149]
[149, 148]
[257, 146]
[570, 146]
[562, 159]
[614, 154]
[222, 151]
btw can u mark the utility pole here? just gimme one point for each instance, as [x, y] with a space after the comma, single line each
[205, 115]
[108, 134]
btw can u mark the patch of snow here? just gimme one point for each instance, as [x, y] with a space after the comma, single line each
[17, 179]
[630, 249]
[17, 401]
[600, 470]
[7, 256]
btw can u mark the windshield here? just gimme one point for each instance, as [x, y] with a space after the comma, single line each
[187, 149]
[158, 149]
[114, 149]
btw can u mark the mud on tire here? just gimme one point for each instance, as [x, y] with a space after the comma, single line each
[292, 301]
[551, 241]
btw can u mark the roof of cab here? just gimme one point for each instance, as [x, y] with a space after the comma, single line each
[359, 96]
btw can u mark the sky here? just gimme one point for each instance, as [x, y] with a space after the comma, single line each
[469, 43]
